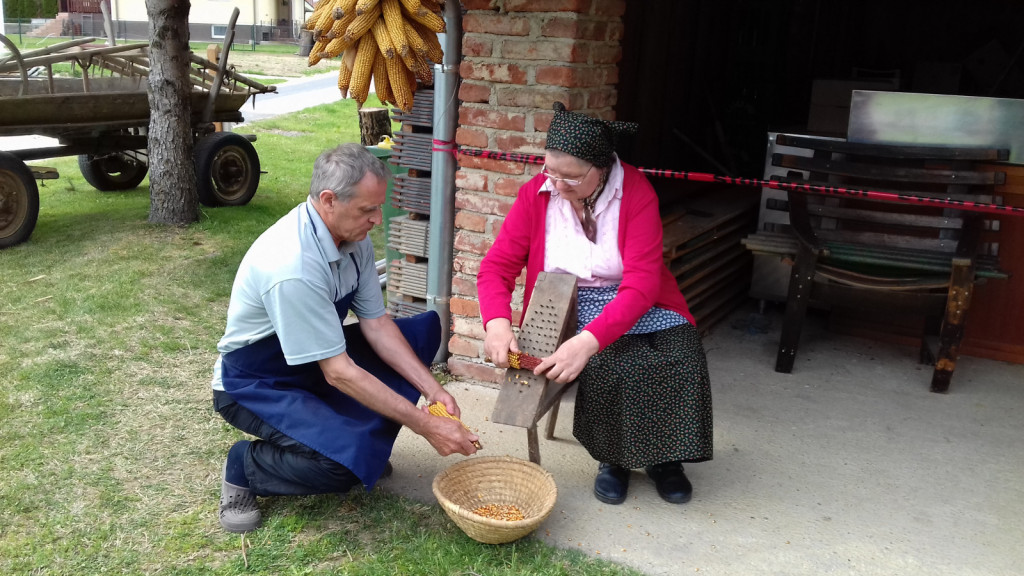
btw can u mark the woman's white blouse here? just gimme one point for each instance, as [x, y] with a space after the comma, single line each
[566, 247]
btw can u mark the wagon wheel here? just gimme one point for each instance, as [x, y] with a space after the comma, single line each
[227, 169]
[19, 201]
[109, 172]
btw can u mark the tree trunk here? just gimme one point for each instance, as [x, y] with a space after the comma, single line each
[373, 124]
[172, 183]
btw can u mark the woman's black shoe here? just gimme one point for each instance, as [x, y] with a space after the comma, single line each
[611, 483]
[671, 482]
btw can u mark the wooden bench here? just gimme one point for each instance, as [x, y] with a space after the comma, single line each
[908, 260]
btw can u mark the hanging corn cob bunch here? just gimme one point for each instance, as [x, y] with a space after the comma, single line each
[392, 42]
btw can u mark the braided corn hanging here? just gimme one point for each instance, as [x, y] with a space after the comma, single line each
[401, 33]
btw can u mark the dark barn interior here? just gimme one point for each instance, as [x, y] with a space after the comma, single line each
[707, 79]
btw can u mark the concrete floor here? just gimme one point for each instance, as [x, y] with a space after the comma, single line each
[849, 465]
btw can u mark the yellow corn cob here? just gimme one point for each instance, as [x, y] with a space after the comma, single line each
[392, 11]
[362, 24]
[338, 27]
[327, 19]
[421, 69]
[429, 19]
[345, 74]
[364, 6]
[317, 51]
[426, 74]
[381, 84]
[362, 69]
[384, 43]
[432, 5]
[434, 51]
[318, 11]
[438, 409]
[415, 42]
[336, 46]
[322, 7]
[411, 6]
[401, 85]
[409, 59]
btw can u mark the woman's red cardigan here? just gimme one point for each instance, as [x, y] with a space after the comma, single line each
[646, 281]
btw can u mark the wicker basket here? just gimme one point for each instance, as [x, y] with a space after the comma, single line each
[484, 480]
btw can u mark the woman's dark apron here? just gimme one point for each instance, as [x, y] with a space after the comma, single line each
[298, 401]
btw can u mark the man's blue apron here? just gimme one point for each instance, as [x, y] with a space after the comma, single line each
[298, 401]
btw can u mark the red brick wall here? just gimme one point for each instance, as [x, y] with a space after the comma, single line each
[518, 58]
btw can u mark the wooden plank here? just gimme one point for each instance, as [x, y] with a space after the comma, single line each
[887, 173]
[900, 218]
[894, 151]
[721, 280]
[682, 267]
[706, 213]
[888, 239]
[737, 226]
[726, 258]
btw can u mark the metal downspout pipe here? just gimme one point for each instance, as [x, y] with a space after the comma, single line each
[442, 177]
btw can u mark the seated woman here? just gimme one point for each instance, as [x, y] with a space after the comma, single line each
[644, 395]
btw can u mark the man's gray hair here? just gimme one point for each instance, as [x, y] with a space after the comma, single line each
[341, 168]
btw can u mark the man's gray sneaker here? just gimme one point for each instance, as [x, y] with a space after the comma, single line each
[238, 510]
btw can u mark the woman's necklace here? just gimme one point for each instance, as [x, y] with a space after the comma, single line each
[589, 224]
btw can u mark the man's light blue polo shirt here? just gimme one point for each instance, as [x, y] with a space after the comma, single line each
[287, 284]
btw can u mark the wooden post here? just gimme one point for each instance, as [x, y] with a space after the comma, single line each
[213, 55]
[374, 123]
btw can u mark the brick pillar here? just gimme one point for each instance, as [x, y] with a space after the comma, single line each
[518, 58]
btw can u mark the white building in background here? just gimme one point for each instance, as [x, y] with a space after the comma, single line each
[258, 20]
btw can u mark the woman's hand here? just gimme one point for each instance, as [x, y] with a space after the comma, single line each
[499, 341]
[569, 359]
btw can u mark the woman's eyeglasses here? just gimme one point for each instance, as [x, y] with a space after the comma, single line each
[572, 182]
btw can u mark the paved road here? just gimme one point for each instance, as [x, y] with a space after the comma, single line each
[292, 96]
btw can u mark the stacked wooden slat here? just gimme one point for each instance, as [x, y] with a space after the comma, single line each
[412, 150]
[703, 250]
[411, 193]
[409, 236]
[408, 278]
[406, 308]
[422, 113]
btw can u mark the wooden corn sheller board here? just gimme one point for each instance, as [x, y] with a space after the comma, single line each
[551, 318]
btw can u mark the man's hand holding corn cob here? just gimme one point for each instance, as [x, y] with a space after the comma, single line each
[447, 435]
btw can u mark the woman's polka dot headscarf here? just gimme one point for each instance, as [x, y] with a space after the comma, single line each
[586, 138]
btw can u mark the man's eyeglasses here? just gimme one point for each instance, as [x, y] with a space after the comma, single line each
[572, 182]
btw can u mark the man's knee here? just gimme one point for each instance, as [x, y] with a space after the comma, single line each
[337, 478]
[276, 470]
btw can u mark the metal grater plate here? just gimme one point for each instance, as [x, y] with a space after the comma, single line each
[548, 322]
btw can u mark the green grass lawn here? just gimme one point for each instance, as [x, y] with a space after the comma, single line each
[111, 453]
